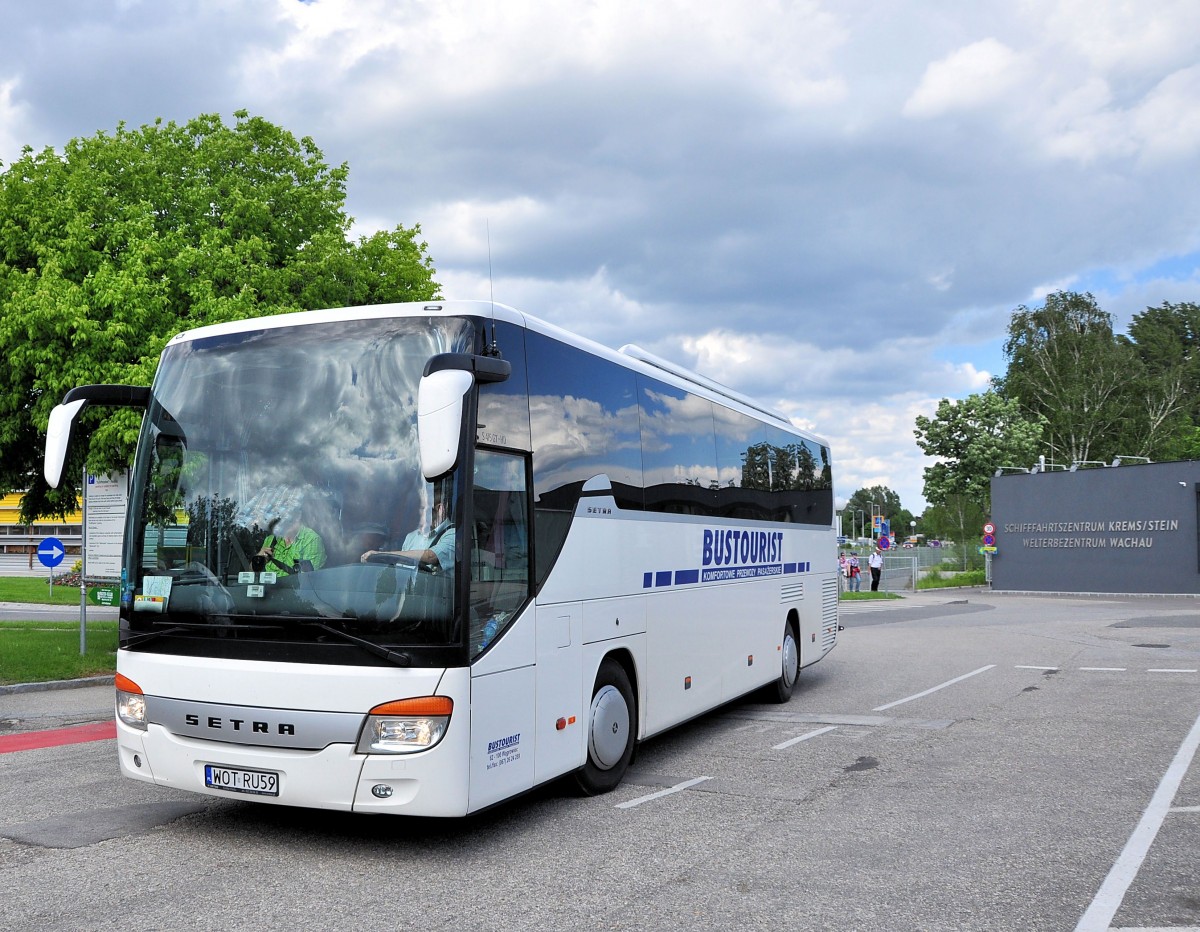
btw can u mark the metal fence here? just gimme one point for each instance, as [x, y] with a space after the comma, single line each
[902, 567]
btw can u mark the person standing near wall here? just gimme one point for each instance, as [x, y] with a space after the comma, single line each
[875, 561]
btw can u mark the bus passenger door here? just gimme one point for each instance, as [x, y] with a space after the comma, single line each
[560, 720]
[502, 630]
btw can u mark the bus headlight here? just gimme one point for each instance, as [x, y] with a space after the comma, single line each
[406, 725]
[131, 703]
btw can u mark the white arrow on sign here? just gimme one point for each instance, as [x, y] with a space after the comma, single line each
[54, 551]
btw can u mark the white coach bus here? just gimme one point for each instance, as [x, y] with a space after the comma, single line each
[602, 546]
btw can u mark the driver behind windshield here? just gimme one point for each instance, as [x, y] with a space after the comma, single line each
[431, 544]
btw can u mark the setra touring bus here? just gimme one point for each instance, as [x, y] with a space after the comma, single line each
[420, 558]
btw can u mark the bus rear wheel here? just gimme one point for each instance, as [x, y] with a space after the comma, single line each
[781, 689]
[610, 731]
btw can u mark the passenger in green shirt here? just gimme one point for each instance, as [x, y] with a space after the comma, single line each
[292, 545]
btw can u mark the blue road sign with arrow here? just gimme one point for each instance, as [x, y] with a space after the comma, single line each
[51, 552]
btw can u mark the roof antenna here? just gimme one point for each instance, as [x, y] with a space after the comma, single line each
[492, 350]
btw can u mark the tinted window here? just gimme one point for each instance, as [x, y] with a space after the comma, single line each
[770, 474]
[504, 406]
[584, 421]
[679, 454]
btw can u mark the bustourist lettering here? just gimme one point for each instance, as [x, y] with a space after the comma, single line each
[504, 751]
[734, 554]
[739, 548]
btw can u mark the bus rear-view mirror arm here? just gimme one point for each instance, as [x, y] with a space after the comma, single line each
[62, 419]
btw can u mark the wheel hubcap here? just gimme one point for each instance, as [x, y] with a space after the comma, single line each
[791, 659]
[609, 728]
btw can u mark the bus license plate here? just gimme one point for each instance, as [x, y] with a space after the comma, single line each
[258, 782]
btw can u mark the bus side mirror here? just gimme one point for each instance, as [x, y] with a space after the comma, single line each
[62, 419]
[58, 438]
[440, 398]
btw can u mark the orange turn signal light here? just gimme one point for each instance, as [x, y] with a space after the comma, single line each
[126, 685]
[422, 705]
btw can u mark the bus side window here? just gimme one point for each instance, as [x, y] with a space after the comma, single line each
[499, 559]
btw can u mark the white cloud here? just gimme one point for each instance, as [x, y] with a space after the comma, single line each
[1121, 37]
[980, 73]
[12, 123]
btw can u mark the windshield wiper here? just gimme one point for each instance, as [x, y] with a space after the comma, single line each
[391, 656]
[205, 627]
[280, 622]
[155, 635]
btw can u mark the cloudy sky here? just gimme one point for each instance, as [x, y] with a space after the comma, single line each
[831, 205]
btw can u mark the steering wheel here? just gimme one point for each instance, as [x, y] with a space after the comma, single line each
[391, 559]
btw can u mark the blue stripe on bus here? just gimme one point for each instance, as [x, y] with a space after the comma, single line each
[689, 577]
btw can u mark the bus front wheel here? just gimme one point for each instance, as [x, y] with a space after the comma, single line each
[610, 731]
[781, 689]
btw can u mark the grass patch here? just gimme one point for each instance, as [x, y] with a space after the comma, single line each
[38, 651]
[936, 580]
[36, 591]
[868, 596]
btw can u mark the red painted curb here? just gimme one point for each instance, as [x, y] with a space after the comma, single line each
[30, 740]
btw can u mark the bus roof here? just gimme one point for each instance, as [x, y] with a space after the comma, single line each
[629, 356]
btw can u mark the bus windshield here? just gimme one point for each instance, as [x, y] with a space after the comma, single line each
[277, 495]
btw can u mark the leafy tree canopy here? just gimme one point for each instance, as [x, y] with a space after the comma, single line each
[877, 499]
[1093, 390]
[1166, 339]
[971, 438]
[958, 518]
[112, 246]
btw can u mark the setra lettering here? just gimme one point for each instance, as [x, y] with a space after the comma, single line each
[216, 723]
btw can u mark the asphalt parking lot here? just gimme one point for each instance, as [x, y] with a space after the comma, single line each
[961, 760]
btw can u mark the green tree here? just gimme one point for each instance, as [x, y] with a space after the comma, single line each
[970, 439]
[876, 500]
[958, 519]
[110, 247]
[1096, 396]
[1167, 341]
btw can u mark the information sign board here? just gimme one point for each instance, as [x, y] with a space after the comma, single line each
[104, 503]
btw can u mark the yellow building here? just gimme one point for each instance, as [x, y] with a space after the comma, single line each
[18, 543]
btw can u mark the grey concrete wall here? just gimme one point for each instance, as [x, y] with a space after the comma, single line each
[1119, 529]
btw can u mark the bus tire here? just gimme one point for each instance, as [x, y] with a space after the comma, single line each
[611, 731]
[781, 689]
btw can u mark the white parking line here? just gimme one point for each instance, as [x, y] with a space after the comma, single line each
[667, 792]
[1112, 891]
[957, 679]
[811, 734]
[1028, 666]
